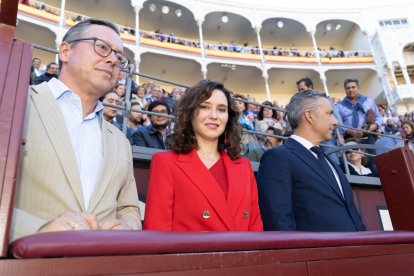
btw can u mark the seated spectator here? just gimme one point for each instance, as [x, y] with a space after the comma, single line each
[155, 95]
[135, 120]
[390, 127]
[356, 160]
[120, 90]
[271, 142]
[408, 130]
[265, 118]
[140, 92]
[252, 110]
[154, 135]
[109, 112]
[52, 70]
[248, 140]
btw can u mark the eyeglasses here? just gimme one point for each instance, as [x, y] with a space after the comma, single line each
[104, 50]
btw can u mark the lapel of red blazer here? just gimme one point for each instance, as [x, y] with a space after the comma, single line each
[235, 172]
[197, 172]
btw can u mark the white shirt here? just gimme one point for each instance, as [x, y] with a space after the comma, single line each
[85, 135]
[362, 171]
[308, 146]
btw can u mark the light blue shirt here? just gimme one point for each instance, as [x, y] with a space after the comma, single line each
[347, 114]
[85, 135]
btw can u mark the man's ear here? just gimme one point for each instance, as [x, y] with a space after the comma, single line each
[64, 50]
[309, 116]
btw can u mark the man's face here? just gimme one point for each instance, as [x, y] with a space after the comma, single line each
[135, 116]
[302, 87]
[159, 122]
[36, 63]
[324, 121]
[86, 72]
[271, 141]
[112, 98]
[351, 89]
[53, 69]
[157, 92]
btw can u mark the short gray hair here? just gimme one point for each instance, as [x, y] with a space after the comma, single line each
[299, 103]
[76, 31]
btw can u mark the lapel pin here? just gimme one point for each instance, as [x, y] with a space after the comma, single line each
[245, 214]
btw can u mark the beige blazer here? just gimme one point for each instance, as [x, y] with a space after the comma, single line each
[49, 183]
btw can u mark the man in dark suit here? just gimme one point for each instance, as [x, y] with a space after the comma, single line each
[299, 188]
[154, 135]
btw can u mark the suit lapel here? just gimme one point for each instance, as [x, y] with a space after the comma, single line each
[313, 163]
[236, 192]
[110, 149]
[54, 123]
[200, 176]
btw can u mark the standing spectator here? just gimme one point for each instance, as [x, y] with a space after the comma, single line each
[203, 184]
[355, 108]
[304, 84]
[52, 70]
[35, 70]
[359, 111]
[154, 135]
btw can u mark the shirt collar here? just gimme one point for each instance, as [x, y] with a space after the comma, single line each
[304, 142]
[58, 88]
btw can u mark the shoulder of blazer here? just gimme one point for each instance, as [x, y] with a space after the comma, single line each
[40, 88]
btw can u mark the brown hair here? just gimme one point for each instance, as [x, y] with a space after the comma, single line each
[183, 138]
[260, 114]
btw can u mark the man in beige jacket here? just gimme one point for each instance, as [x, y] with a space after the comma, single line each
[76, 171]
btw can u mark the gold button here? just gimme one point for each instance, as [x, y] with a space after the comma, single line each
[206, 214]
[245, 214]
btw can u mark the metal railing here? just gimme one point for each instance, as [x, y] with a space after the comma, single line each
[341, 147]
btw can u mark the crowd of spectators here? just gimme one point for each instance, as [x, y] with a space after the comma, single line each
[153, 131]
[244, 48]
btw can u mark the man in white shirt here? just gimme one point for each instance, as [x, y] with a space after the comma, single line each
[76, 170]
[299, 188]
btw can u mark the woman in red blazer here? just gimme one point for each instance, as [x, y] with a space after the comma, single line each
[203, 184]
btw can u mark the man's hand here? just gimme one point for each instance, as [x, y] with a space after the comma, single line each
[372, 127]
[115, 224]
[71, 221]
[355, 133]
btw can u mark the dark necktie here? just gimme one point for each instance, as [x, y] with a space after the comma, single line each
[324, 163]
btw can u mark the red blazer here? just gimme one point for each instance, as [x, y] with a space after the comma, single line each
[184, 196]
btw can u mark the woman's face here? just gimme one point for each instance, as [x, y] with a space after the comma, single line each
[120, 90]
[141, 92]
[267, 112]
[355, 155]
[240, 106]
[407, 128]
[210, 118]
